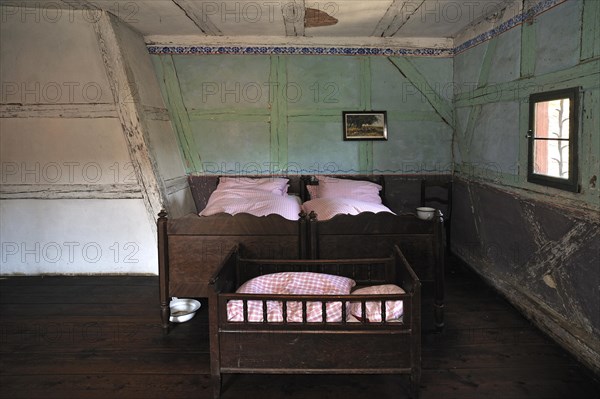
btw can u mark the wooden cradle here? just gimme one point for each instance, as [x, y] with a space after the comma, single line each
[316, 348]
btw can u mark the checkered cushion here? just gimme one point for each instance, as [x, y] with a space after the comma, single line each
[291, 283]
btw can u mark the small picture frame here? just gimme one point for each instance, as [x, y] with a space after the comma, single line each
[365, 125]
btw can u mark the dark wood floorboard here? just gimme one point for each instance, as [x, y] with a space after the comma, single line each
[100, 337]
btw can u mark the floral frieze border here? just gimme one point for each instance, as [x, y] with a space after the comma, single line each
[291, 50]
[509, 24]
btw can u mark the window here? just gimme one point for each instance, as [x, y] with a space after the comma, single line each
[552, 135]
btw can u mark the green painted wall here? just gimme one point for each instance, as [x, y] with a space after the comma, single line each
[559, 49]
[262, 114]
[537, 245]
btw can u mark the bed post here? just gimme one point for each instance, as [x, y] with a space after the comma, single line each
[163, 268]
[303, 232]
[439, 254]
[312, 235]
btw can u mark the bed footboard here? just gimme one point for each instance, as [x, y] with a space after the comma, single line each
[191, 248]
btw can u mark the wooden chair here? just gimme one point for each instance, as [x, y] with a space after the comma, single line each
[438, 194]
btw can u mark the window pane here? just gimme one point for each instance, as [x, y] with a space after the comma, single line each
[551, 158]
[551, 153]
[552, 119]
[552, 138]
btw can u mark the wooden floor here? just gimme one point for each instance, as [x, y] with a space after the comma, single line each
[100, 337]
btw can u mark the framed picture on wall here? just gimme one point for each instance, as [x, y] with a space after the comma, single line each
[365, 125]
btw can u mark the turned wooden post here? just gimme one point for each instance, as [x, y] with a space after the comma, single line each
[439, 253]
[163, 268]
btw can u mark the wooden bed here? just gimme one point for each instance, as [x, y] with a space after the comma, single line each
[343, 347]
[372, 235]
[191, 248]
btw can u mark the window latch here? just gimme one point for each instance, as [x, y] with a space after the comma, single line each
[529, 134]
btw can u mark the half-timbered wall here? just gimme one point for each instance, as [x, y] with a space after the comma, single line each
[270, 113]
[539, 246]
[82, 123]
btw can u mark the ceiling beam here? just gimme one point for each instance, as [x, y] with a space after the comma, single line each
[81, 4]
[293, 17]
[397, 14]
[198, 17]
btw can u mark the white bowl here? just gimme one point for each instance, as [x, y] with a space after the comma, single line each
[425, 212]
[183, 309]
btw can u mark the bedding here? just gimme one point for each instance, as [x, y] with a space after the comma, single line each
[291, 283]
[234, 199]
[274, 185]
[326, 208]
[331, 187]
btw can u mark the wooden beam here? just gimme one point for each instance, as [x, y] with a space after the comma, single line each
[486, 66]
[584, 74]
[465, 140]
[528, 53]
[179, 114]
[397, 14]
[197, 16]
[87, 111]
[293, 17]
[590, 29]
[177, 184]
[129, 109]
[156, 113]
[78, 4]
[229, 114]
[414, 76]
[278, 125]
[333, 115]
[365, 148]
[70, 191]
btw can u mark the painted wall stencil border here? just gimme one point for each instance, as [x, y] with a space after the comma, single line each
[293, 50]
[513, 22]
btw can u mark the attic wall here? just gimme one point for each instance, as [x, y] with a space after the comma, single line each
[261, 114]
[165, 156]
[539, 246]
[79, 189]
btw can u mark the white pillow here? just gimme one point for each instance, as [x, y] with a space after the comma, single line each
[275, 185]
[331, 187]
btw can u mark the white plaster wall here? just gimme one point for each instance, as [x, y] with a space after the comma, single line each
[51, 61]
[64, 151]
[76, 237]
[52, 67]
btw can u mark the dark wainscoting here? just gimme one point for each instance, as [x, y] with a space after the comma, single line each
[543, 255]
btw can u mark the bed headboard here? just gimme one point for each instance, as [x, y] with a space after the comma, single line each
[309, 180]
[202, 186]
